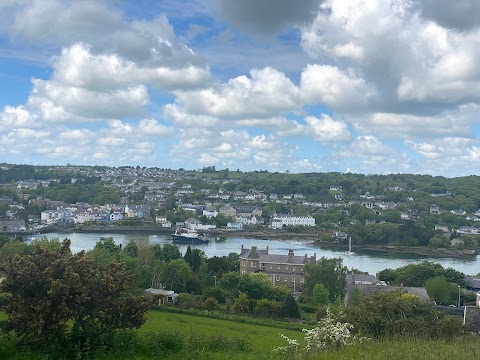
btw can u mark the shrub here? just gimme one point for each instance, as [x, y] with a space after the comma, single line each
[211, 304]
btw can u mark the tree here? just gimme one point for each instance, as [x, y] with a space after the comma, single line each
[329, 272]
[50, 289]
[440, 290]
[392, 314]
[131, 249]
[320, 295]
[176, 274]
[290, 307]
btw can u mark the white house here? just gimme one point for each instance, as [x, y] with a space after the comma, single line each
[115, 216]
[280, 220]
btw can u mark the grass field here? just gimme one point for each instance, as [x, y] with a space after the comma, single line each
[263, 338]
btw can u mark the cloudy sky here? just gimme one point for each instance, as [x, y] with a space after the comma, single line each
[365, 86]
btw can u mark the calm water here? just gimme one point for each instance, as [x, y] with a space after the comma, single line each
[371, 261]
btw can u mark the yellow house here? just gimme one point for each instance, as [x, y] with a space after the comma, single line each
[283, 270]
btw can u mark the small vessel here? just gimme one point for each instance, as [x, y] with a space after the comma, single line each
[188, 236]
[349, 252]
[154, 236]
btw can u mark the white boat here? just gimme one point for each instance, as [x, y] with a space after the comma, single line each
[349, 252]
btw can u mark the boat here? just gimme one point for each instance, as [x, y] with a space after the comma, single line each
[349, 252]
[188, 236]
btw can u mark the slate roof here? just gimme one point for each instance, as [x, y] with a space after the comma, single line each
[363, 278]
[369, 290]
[472, 282]
[264, 257]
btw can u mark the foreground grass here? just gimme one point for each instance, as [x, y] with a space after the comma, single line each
[166, 326]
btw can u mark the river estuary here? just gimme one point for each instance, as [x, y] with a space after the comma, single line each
[364, 260]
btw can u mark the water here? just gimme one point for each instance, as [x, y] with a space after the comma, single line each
[365, 260]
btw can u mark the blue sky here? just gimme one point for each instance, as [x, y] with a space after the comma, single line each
[366, 86]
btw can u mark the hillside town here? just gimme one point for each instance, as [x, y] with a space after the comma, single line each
[207, 200]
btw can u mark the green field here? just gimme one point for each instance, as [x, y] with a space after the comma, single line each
[262, 339]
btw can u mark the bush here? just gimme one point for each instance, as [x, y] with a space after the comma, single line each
[211, 304]
[214, 292]
[161, 342]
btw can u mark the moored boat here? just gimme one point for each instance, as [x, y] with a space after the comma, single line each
[188, 236]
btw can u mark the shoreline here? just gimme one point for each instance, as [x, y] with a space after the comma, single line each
[268, 234]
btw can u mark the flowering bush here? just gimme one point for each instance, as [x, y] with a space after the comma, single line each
[330, 333]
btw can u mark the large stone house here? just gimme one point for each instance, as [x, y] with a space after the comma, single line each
[282, 270]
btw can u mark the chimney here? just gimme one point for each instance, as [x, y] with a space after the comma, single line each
[305, 260]
[313, 259]
[290, 255]
[267, 250]
[242, 249]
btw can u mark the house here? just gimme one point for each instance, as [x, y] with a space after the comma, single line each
[165, 297]
[210, 212]
[228, 211]
[116, 216]
[370, 289]
[404, 216]
[280, 220]
[434, 209]
[441, 228]
[248, 211]
[363, 279]
[234, 226]
[472, 283]
[471, 316]
[12, 225]
[282, 270]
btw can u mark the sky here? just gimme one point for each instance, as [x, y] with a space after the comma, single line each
[362, 86]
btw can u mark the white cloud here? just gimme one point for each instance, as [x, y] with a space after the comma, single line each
[266, 93]
[326, 129]
[230, 148]
[326, 84]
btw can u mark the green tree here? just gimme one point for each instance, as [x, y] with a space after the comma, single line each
[50, 289]
[176, 274]
[290, 307]
[320, 295]
[440, 290]
[329, 272]
[131, 249]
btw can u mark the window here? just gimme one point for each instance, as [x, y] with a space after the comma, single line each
[475, 320]
[271, 266]
[301, 280]
[285, 279]
[286, 267]
[244, 262]
[294, 268]
[277, 278]
[252, 264]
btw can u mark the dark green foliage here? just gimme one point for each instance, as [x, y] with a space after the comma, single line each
[131, 249]
[52, 288]
[394, 314]
[214, 292]
[418, 274]
[290, 307]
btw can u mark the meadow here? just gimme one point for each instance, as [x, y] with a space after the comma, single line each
[170, 335]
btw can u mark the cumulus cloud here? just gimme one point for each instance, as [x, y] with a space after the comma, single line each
[267, 92]
[458, 14]
[340, 90]
[367, 154]
[326, 129]
[266, 17]
[230, 147]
